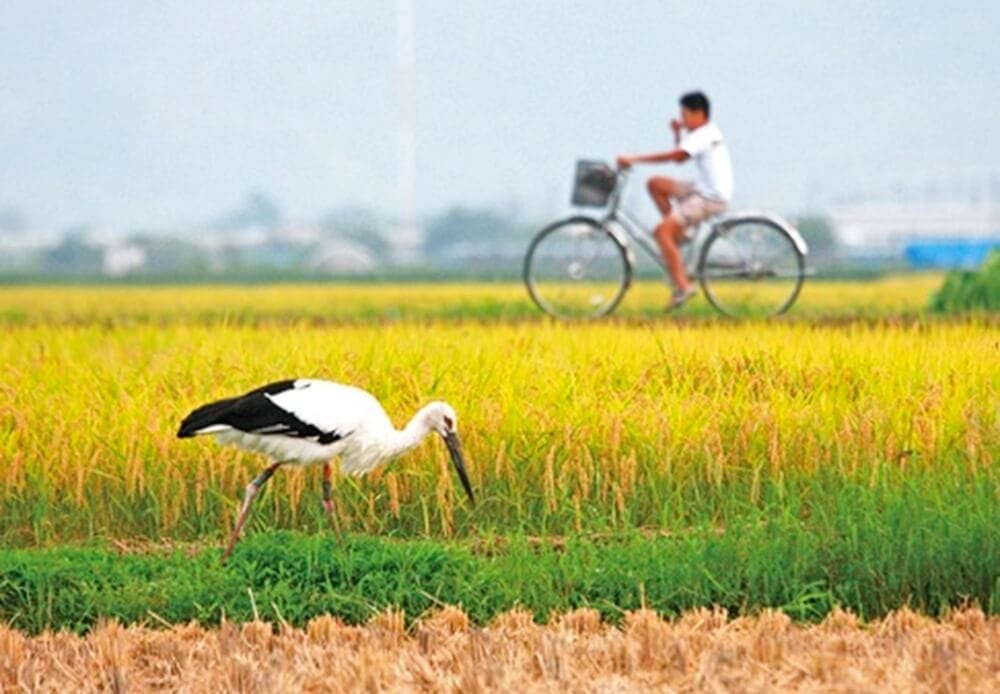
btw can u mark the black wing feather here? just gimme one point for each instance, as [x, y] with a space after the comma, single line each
[255, 413]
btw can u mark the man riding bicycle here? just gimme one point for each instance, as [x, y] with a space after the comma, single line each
[684, 204]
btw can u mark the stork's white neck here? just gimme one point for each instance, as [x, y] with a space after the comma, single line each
[412, 434]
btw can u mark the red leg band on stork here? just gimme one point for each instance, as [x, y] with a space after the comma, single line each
[327, 486]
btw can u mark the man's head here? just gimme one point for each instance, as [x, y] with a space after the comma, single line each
[694, 110]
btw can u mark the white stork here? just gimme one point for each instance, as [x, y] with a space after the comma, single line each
[309, 421]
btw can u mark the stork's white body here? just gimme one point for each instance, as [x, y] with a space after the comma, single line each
[367, 435]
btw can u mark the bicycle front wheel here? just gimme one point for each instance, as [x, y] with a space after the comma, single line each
[575, 268]
[751, 268]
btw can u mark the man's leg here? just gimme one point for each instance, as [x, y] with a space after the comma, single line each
[662, 189]
[669, 234]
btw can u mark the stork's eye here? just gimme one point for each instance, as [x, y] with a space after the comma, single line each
[449, 422]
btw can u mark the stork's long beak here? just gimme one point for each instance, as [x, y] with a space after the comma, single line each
[455, 449]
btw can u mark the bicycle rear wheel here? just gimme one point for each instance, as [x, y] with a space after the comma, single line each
[575, 268]
[751, 268]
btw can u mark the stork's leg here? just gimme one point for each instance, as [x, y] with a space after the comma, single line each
[327, 485]
[327, 500]
[252, 489]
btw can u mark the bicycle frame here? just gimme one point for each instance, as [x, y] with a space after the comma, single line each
[633, 228]
[624, 220]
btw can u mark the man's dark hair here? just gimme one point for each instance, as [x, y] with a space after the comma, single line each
[696, 101]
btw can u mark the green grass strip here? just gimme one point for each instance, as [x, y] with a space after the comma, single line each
[869, 560]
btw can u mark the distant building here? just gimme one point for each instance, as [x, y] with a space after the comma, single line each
[302, 235]
[894, 224]
[342, 256]
[121, 259]
[923, 233]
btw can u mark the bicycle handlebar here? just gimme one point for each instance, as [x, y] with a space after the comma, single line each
[621, 175]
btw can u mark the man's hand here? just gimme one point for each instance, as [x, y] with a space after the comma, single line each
[676, 126]
[624, 161]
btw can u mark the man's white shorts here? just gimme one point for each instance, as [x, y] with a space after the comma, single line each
[690, 207]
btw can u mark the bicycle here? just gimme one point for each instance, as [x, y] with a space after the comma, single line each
[750, 263]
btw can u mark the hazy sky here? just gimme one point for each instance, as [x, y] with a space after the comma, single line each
[140, 113]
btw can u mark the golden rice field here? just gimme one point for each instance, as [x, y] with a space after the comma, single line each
[701, 651]
[567, 427]
[891, 296]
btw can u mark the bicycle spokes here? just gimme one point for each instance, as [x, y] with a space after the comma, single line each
[575, 268]
[751, 269]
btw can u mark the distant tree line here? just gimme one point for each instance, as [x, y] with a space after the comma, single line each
[256, 236]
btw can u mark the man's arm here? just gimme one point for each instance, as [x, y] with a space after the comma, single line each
[675, 155]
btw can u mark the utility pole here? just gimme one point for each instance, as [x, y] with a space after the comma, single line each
[407, 239]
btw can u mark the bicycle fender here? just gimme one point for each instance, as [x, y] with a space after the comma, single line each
[760, 216]
[618, 235]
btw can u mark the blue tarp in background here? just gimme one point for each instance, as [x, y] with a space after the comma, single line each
[949, 254]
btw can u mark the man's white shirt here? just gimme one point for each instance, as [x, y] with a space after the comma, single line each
[707, 148]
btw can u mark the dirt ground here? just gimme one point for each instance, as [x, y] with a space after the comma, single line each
[702, 651]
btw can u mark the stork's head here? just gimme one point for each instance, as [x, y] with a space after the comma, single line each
[440, 417]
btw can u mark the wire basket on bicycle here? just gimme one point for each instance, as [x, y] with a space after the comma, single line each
[593, 184]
